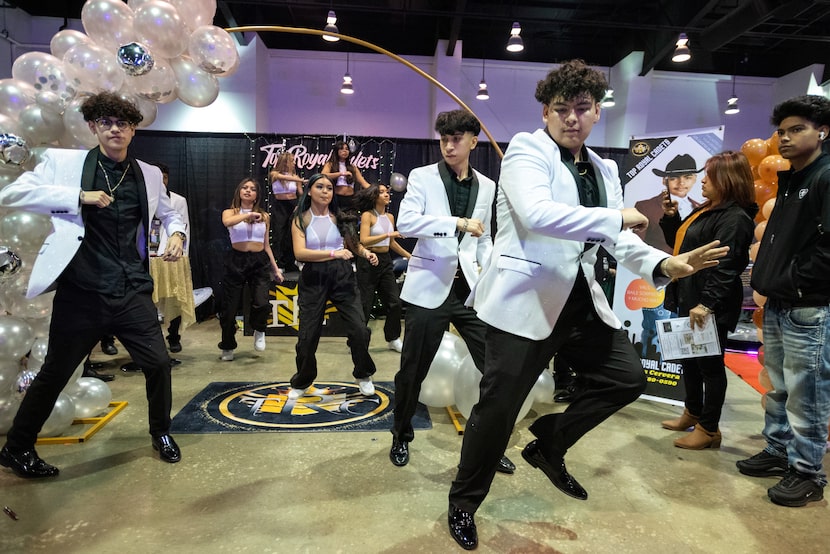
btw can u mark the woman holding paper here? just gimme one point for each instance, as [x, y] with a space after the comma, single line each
[712, 296]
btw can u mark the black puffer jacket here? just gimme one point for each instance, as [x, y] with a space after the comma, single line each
[718, 288]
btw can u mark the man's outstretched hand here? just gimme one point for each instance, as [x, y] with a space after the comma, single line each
[692, 261]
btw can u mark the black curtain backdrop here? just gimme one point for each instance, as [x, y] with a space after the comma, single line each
[206, 167]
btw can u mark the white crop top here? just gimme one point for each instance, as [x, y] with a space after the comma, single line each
[283, 187]
[341, 180]
[322, 234]
[381, 227]
[247, 232]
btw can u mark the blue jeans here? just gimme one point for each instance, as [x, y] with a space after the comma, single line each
[797, 358]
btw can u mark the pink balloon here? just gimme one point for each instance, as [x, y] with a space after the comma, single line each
[108, 22]
[160, 28]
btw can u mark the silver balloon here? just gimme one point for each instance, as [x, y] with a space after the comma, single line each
[43, 125]
[13, 149]
[91, 397]
[467, 391]
[9, 370]
[61, 417]
[135, 59]
[24, 231]
[16, 337]
[10, 264]
[15, 95]
[8, 409]
[542, 391]
[213, 49]
[194, 87]
[398, 182]
[437, 388]
[39, 348]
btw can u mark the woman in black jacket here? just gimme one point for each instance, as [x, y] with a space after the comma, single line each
[726, 215]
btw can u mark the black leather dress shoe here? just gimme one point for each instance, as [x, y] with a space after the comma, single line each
[555, 470]
[462, 527]
[90, 372]
[26, 464]
[94, 365]
[506, 466]
[130, 367]
[399, 453]
[566, 395]
[167, 448]
[175, 346]
[174, 362]
[109, 349]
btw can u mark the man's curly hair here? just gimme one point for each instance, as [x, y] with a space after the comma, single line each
[571, 79]
[811, 107]
[106, 104]
[457, 121]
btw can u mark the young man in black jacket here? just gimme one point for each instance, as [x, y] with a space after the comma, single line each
[791, 270]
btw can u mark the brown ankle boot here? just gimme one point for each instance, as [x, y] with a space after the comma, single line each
[699, 439]
[681, 423]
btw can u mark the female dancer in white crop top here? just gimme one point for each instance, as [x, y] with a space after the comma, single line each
[378, 234]
[343, 174]
[325, 241]
[286, 186]
[250, 261]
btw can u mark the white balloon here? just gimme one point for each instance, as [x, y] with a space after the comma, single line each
[467, 390]
[61, 417]
[18, 305]
[39, 348]
[15, 96]
[16, 337]
[157, 85]
[46, 73]
[77, 134]
[159, 26]
[94, 68]
[437, 387]
[91, 397]
[542, 391]
[42, 125]
[195, 13]
[213, 49]
[194, 87]
[66, 39]
[108, 22]
[51, 102]
[8, 409]
[9, 370]
[24, 231]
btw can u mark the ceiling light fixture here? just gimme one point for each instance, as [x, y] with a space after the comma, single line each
[608, 100]
[514, 43]
[482, 86]
[346, 87]
[331, 27]
[682, 52]
[732, 104]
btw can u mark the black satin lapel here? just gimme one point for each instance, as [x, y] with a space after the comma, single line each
[444, 172]
[142, 196]
[603, 197]
[89, 169]
[471, 203]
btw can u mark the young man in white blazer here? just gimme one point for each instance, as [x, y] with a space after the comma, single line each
[101, 203]
[448, 207]
[558, 202]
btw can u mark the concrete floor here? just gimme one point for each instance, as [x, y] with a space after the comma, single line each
[338, 492]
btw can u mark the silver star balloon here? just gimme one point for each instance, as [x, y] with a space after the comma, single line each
[13, 149]
[135, 59]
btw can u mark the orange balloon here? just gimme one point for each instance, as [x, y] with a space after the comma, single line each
[759, 299]
[753, 250]
[772, 144]
[767, 207]
[764, 402]
[758, 317]
[764, 381]
[760, 331]
[770, 166]
[764, 191]
[755, 150]
[759, 230]
[761, 354]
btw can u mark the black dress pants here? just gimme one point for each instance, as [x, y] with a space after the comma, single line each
[605, 359]
[253, 268]
[282, 212]
[424, 330]
[381, 278]
[79, 319]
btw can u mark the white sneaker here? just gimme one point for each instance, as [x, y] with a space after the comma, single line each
[396, 345]
[367, 388]
[227, 355]
[294, 394]
[259, 341]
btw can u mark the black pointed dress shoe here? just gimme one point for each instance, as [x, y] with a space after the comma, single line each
[399, 453]
[26, 464]
[175, 345]
[109, 348]
[506, 466]
[90, 372]
[462, 527]
[131, 367]
[555, 470]
[167, 448]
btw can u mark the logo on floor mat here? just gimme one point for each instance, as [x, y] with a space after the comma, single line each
[324, 405]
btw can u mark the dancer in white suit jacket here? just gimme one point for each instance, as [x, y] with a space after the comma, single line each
[101, 203]
[448, 207]
[557, 202]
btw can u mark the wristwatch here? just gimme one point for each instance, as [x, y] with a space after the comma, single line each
[181, 235]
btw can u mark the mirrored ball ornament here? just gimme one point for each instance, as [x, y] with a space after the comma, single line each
[10, 263]
[135, 59]
[13, 149]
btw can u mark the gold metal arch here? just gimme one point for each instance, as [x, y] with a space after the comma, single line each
[370, 46]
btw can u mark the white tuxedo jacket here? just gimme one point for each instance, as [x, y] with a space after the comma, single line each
[425, 214]
[53, 188]
[541, 238]
[180, 205]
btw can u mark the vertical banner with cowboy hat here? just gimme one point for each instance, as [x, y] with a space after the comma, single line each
[651, 166]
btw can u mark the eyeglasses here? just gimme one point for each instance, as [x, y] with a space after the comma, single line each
[104, 123]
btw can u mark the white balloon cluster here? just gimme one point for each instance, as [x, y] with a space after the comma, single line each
[453, 379]
[147, 51]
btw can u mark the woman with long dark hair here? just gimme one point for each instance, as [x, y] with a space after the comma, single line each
[286, 186]
[343, 175]
[726, 215]
[325, 241]
[250, 261]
